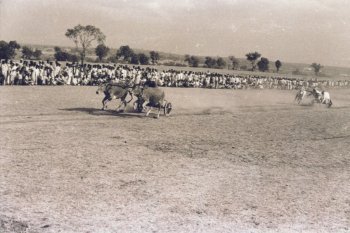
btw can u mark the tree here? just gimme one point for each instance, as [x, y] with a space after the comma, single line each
[29, 53]
[37, 54]
[187, 58]
[134, 59]
[8, 50]
[64, 56]
[252, 57]
[125, 52]
[234, 62]
[154, 57]
[220, 62]
[210, 62]
[317, 68]
[83, 37]
[13, 44]
[263, 64]
[278, 65]
[143, 58]
[192, 60]
[101, 51]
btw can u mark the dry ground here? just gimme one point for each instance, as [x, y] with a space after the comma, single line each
[224, 161]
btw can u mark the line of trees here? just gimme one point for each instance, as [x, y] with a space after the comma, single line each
[8, 50]
[29, 53]
[126, 54]
[262, 64]
[192, 61]
[218, 63]
[84, 37]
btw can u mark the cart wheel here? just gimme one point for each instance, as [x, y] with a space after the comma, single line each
[167, 109]
[138, 106]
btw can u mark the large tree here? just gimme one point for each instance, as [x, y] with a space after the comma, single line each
[101, 51]
[252, 57]
[234, 62]
[154, 57]
[83, 38]
[263, 64]
[210, 62]
[8, 50]
[143, 58]
[125, 52]
[192, 60]
[221, 63]
[317, 67]
[278, 65]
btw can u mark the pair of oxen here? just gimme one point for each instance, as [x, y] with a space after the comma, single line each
[147, 97]
[322, 97]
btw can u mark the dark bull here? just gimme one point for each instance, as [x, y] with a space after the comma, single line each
[114, 91]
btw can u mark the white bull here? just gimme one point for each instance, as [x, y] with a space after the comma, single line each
[326, 98]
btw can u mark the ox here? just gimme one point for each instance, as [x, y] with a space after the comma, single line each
[321, 97]
[326, 98]
[300, 95]
[115, 91]
[152, 97]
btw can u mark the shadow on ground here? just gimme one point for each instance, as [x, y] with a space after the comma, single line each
[99, 112]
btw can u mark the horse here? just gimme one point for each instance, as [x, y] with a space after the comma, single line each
[115, 91]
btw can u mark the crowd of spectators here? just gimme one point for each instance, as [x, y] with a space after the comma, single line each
[54, 73]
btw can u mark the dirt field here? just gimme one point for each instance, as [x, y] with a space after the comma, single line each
[224, 161]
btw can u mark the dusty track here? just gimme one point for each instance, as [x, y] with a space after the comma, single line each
[224, 161]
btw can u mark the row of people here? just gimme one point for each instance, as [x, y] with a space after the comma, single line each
[53, 73]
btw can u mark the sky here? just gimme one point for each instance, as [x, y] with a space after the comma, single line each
[302, 31]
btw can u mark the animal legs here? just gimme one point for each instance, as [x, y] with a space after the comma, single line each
[123, 102]
[330, 103]
[104, 102]
[150, 109]
[158, 111]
